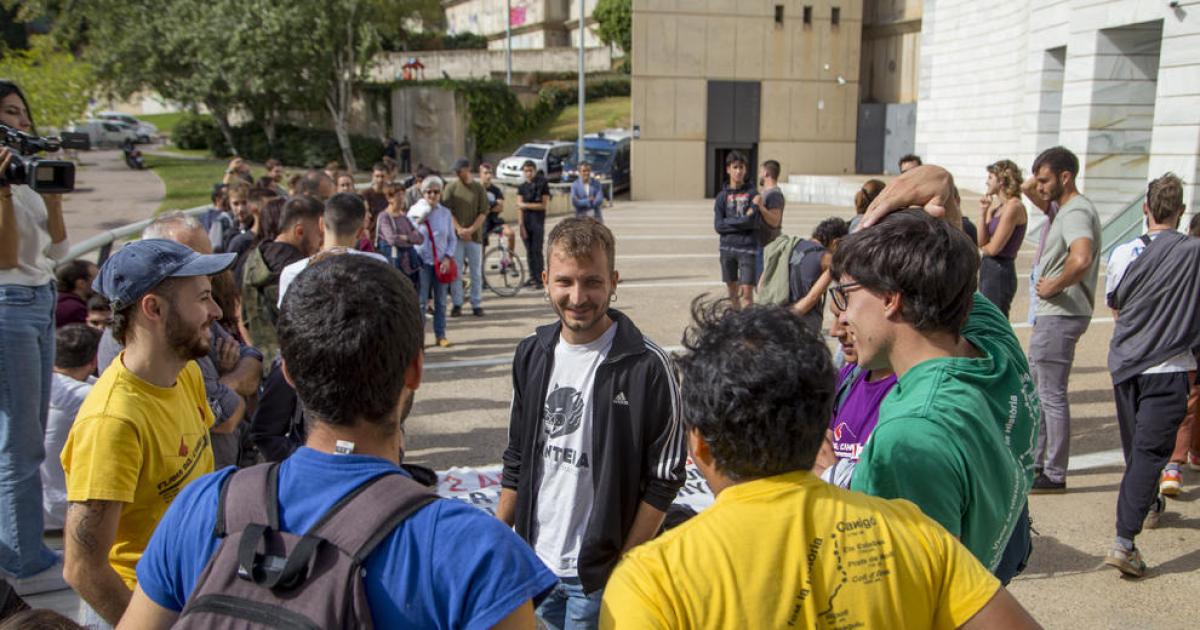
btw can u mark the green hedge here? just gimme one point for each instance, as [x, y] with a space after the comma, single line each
[298, 146]
[195, 131]
[496, 117]
[294, 146]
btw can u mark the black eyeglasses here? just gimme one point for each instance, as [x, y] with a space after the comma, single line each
[433, 191]
[838, 292]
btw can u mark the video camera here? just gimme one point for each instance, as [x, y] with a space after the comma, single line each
[42, 175]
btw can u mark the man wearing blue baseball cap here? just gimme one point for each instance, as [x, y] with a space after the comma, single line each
[142, 434]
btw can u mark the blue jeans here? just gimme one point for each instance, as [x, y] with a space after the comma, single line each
[473, 253]
[26, 362]
[596, 213]
[429, 283]
[568, 608]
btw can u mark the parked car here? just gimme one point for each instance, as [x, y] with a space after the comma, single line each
[146, 132]
[548, 156]
[104, 132]
[608, 154]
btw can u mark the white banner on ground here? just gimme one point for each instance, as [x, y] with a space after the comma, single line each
[480, 487]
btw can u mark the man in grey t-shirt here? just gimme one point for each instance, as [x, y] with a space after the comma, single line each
[1067, 266]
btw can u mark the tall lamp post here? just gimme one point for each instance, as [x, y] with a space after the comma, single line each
[582, 91]
[508, 41]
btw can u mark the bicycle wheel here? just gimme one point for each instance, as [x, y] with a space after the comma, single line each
[503, 273]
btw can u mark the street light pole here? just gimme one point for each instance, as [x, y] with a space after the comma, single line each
[582, 91]
[508, 41]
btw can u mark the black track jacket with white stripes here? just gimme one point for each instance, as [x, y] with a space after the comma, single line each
[637, 437]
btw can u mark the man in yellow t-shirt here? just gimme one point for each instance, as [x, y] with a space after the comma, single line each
[780, 548]
[141, 435]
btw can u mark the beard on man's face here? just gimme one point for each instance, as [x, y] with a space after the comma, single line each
[188, 342]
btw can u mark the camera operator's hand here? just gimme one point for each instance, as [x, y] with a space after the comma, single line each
[5, 158]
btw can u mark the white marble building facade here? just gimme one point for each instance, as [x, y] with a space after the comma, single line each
[1115, 81]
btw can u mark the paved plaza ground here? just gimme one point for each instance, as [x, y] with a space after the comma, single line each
[666, 254]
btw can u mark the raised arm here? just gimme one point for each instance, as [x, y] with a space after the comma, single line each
[1029, 189]
[930, 187]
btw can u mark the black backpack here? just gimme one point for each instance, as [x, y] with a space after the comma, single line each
[262, 577]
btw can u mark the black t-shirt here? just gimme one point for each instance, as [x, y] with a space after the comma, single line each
[532, 192]
[772, 199]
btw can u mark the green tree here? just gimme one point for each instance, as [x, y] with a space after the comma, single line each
[615, 20]
[57, 84]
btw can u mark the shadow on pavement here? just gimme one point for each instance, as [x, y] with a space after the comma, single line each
[1091, 396]
[1186, 563]
[478, 447]
[1052, 557]
[430, 407]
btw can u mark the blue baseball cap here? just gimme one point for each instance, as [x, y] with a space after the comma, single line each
[142, 265]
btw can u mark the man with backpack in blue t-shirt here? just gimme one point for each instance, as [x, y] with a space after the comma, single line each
[344, 538]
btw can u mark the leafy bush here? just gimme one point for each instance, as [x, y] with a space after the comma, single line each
[194, 131]
[465, 41]
[296, 146]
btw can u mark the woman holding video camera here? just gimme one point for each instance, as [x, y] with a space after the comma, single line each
[33, 238]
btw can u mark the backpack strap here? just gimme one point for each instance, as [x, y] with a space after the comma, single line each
[248, 496]
[359, 521]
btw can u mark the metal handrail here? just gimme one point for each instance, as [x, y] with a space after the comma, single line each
[103, 242]
[1122, 227]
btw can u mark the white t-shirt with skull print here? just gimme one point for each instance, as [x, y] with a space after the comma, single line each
[565, 494]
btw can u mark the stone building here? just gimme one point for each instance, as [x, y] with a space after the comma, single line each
[771, 78]
[537, 24]
[1115, 81]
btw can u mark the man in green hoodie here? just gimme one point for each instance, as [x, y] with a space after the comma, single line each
[956, 434]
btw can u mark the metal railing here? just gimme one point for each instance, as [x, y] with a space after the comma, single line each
[103, 242]
[1122, 227]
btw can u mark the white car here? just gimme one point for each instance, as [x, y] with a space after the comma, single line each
[104, 132]
[548, 156]
[145, 131]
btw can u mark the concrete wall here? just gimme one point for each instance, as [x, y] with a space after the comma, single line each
[482, 64]
[541, 22]
[435, 122]
[807, 118]
[1005, 80]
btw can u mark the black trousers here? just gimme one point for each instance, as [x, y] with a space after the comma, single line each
[535, 228]
[998, 281]
[1150, 408]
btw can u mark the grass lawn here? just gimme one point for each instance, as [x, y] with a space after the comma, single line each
[598, 115]
[196, 153]
[189, 182]
[165, 122]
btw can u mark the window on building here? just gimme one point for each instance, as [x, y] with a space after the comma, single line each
[808, 15]
[779, 15]
[836, 17]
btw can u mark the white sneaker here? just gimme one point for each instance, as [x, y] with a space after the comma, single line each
[50, 579]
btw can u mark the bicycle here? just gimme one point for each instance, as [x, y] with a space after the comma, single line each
[503, 270]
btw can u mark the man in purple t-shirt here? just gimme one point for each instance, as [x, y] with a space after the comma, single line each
[855, 410]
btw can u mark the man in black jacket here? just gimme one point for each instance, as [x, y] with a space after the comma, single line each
[735, 221]
[596, 450]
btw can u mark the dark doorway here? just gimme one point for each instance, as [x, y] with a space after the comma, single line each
[733, 121]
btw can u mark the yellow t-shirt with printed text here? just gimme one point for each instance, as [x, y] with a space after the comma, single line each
[138, 444]
[791, 551]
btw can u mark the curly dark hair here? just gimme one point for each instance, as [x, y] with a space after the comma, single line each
[349, 326]
[830, 230]
[933, 267]
[758, 385]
